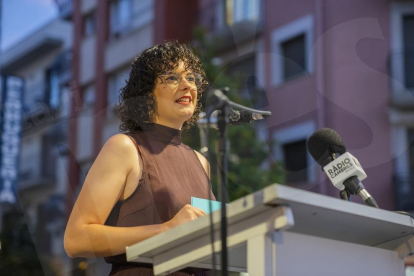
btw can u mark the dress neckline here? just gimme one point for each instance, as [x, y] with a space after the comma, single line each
[162, 133]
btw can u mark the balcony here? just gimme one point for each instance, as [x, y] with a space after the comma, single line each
[35, 175]
[404, 192]
[402, 80]
[38, 114]
[241, 23]
[39, 157]
[27, 181]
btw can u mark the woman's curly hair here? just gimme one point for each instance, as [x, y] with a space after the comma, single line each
[137, 102]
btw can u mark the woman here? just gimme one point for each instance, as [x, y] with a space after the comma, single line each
[142, 181]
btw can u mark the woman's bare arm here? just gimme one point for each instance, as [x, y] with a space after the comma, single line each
[85, 234]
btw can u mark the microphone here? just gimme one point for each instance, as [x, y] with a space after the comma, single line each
[341, 167]
[240, 117]
[216, 99]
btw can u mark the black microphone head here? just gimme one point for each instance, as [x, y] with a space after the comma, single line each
[323, 143]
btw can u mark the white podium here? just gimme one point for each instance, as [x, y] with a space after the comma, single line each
[285, 231]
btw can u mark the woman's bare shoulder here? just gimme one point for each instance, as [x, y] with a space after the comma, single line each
[121, 147]
[120, 140]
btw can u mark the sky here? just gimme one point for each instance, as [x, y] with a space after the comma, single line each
[22, 17]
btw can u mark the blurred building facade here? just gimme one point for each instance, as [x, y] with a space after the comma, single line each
[42, 61]
[345, 65]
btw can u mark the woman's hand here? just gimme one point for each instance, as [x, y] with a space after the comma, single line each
[186, 214]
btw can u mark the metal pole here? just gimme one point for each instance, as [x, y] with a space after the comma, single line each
[222, 154]
[1, 95]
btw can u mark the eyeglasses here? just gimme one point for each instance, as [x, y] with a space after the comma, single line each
[173, 79]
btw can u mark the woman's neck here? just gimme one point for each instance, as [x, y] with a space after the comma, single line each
[169, 124]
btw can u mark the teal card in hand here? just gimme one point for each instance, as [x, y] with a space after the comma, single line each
[203, 204]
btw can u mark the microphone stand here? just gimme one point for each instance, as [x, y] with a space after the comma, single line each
[222, 153]
[218, 101]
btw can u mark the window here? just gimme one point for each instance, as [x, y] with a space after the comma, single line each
[89, 24]
[290, 149]
[295, 161]
[55, 78]
[142, 12]
[291, 48]
[53, 91]
[126, 15]
[116, 82]
[233, 11]
[54, 99]
[402, 46]
[404, 165]
[408, 36]
[89, 95]
[410, 133]
[293, 52]
[402, 152]
[120, 16]
[241, 10]
[48, 157]
[237, 11]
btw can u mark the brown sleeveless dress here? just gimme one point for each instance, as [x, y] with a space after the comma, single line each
[172, 174]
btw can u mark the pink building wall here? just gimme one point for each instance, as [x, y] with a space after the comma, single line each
[357, 53]
[348, 89]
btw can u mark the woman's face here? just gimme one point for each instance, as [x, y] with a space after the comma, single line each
[176, 97]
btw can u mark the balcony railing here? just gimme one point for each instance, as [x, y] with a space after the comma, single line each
[404, 191]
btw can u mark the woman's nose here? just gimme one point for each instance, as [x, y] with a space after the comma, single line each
[185, 83]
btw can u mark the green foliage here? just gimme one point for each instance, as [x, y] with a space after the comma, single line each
[246, 153]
